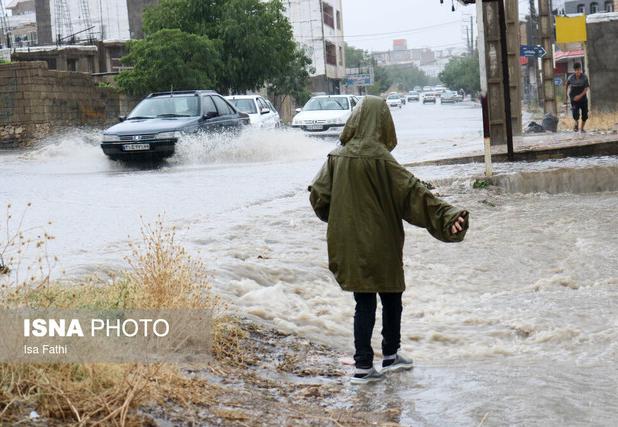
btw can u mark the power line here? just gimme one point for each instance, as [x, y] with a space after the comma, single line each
[389, 34]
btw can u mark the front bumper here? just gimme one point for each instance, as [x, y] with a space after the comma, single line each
[158, 148]
[325, 127]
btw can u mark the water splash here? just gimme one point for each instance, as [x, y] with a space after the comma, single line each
[252, 145]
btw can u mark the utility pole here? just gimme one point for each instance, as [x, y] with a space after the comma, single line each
[532, 78]
[502, 75]
[513, 41]
[547, 69]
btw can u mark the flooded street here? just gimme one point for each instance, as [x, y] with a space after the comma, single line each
[518, 325]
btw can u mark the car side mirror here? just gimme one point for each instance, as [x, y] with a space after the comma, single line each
[298, 110]
[264, 111]
[122, 118]
[210, 115]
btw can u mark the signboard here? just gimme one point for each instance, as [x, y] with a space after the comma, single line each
[571, 29]
[359, 80]
[557, 81]
[532, 51]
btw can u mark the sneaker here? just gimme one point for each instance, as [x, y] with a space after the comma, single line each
[366, 376]
[582, 131]
[575, 128]
[396, 364]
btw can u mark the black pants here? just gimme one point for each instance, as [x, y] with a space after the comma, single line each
[365, 319]
[581, 105]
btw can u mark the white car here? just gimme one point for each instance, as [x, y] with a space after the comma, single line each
[394, 100]
[262, 113]
[325, 113]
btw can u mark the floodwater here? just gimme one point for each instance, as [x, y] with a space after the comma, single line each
[518, 325]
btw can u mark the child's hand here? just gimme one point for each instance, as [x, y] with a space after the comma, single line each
[457, 226]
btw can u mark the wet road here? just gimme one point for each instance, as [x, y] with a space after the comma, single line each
[518, 325]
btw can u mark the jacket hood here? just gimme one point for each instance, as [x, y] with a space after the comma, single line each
[369, 125]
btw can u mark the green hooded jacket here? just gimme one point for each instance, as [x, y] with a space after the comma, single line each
[364, 194]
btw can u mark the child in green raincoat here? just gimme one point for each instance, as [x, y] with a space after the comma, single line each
[364, 194]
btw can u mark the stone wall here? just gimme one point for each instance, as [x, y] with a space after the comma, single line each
[603, 63]
[35, 101]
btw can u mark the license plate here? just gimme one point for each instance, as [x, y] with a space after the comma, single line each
[136, 147]
[315, 127]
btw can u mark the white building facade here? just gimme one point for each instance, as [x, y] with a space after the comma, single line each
[318, 29]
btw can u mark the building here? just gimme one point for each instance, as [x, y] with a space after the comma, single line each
[318, 29]
[19, 27]
[590, 6]
[65, 21]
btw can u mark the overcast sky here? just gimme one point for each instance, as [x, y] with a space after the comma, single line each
[424, 23]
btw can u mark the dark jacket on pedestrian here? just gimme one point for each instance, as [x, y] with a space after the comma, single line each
[364, 194]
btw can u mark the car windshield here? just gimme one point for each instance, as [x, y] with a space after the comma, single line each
[172, 106]
[393, 97]
[244, 105]
[330, 103]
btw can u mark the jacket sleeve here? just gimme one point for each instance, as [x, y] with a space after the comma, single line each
[320, 192]
[420, 207]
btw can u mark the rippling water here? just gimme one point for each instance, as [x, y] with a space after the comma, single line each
[518, 325]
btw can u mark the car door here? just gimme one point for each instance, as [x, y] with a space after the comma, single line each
[273, 110]
[212, 120]
[267, 118]
[228, 115]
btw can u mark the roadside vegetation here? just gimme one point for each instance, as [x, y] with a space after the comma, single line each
[462, 73]
[231, 46]
[161, 274]
[598, 121]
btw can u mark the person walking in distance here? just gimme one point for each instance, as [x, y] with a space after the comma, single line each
[363, 194]
[577, 87]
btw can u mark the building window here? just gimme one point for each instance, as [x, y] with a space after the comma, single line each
[329, 16]
[581, 8]
[338, 20]
[594, 7]
[609, 6]
[331, 54]
[340, 55]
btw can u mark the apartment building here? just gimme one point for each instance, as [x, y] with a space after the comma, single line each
[318, 29]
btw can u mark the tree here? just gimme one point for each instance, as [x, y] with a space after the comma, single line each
[254, 39]
[462, 73]
[170, 59]
[407, 76]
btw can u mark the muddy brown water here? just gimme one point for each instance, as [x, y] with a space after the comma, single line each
[518, 325]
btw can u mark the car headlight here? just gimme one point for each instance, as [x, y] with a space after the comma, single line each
[168, 135]
[110, 138]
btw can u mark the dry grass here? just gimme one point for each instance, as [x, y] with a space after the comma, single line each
[597, 121]
[161, 275]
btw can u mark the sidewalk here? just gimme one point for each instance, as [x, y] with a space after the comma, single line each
[539, 147]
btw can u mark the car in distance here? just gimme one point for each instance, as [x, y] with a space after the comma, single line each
[325, 114]
[417, 89]
[154, 126]
[429, 97]
[448, 97]
[413, 96]
[394, 100]
[262, 114]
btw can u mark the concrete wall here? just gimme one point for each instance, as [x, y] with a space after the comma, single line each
[35, 101]
[43, 20]
[603, 64]
[136, 9]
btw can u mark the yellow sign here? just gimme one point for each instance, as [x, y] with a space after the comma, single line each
[571, 29]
